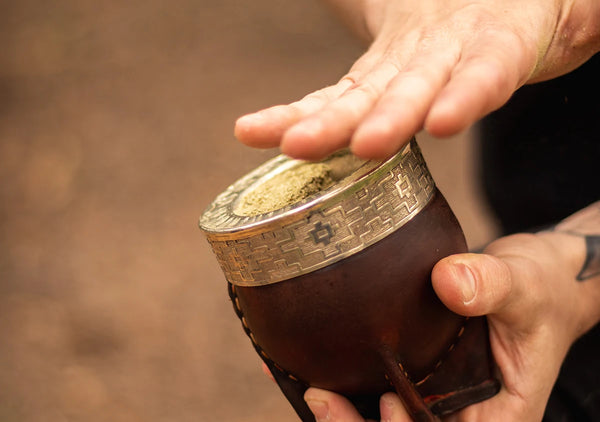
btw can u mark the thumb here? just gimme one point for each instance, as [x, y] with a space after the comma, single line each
[473, 284]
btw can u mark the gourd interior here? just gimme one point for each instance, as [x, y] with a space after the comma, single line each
[295, 183]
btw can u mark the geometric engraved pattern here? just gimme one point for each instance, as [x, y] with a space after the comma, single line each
[356, 218]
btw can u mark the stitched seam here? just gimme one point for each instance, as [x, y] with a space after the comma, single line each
[446, 354]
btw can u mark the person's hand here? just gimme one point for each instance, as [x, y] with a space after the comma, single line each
[527, 286]
[434, 64]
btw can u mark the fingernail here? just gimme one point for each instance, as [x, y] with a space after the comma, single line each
[320, 409]
[467, 285]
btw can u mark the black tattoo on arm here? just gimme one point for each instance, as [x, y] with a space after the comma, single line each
[591, 266]
[585, 224]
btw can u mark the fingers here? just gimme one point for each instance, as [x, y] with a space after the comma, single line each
[392, 409]
[473, 284]
[402, 108]
[507, 282]
[481, 82]
[331, 128]
[331, 407]
[265, 128]
[402, 84]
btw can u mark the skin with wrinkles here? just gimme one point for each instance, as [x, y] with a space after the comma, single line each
[434, 64]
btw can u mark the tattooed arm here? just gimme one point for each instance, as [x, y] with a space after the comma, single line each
[586, 225]
[540, 292]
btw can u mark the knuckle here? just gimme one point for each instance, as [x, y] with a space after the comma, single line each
[365, 88]
[321, 95]
[351, 77]
[495, 81]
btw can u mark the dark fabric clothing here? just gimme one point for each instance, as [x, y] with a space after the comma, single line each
[576, 394]
[540, 162]
[541, 152]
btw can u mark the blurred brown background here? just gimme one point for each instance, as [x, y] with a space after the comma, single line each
[116, 126]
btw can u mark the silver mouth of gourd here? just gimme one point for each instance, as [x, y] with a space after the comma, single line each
[288, 217]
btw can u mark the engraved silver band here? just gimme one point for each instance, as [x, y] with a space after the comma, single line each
[305, 237]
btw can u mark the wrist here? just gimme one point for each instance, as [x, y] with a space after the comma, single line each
[577, 248]
[569, 248]
[580, 28]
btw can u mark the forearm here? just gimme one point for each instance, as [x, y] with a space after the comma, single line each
[576, 39]
[581, 26]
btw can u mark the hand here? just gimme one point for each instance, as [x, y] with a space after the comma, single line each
[536, 309]
[434, 64]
